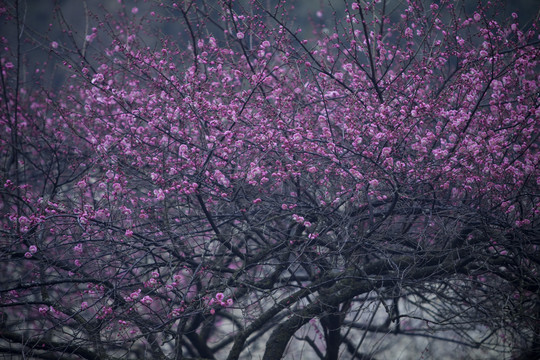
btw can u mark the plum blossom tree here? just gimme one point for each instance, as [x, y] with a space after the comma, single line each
[237, 188]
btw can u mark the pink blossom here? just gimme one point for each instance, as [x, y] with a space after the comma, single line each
[160, 195]
[147, 300]
[220, 296]
[54, 44]
[221, 179]
[408, 32]
[78, 248]
[355, 6]
[84, 305]
[43, 310]
[183, 150]
[28, 255]
[91, 37]
[299, 219]
[33, 249]
[356, 174]
[240, 35]
[134, 10]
